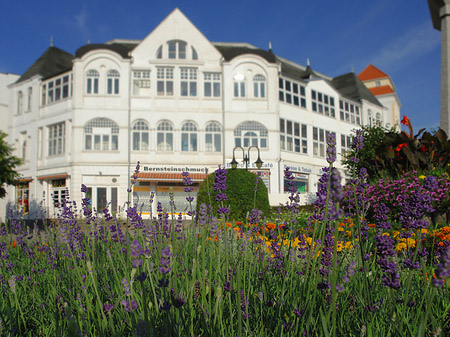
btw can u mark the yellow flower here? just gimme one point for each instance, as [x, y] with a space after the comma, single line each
[401, 246]
[422, 177]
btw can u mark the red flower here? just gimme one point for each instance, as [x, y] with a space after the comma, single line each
[400, 146]
[406, 121]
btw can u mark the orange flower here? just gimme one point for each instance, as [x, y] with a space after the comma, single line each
[13, 244]
[215, 238]
[271, 226]
[372, 225]
[238, 223]
[406, 121]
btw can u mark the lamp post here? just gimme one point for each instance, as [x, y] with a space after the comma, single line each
[246, 158]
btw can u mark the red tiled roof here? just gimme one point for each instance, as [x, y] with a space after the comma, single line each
[371, 73]
[53, 176]
[154, 176]
[383, 90]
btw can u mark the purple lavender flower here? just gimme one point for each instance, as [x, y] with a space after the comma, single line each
[130, 305]
[126, 286]
[108, 307]
[331, 148]
[442, 270]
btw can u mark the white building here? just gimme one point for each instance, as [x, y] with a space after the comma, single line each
[174, 101]
[5, 80]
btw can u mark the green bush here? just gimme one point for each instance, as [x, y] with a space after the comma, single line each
[242, 197]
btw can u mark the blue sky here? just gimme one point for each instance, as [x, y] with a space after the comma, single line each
[336, 36]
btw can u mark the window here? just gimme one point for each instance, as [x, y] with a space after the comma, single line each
[319, 142]
[378, 116]
[189, 137]
[370, 117]
[213, 137]
[140, 136]
[165, 81]
[291, 93]
[101, 134]
[112, 82]
[56, 139]
[177, 49]
[24, 150]
[259, 86]
[194, 54]
[322, 104]
[346, 145]
[22, 196]
[349, 112]
[141, 83]
[300, 182]
[58, 192]
[30, 96]
[212, 84]
[164, 136]
[159, 53]
[57, 89]
[293, 136]
[92, 81]
[377, 83]
[188, 84]
[239, 85]
[251, 134]
[19, 103]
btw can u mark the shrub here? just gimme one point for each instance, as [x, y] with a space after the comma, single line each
[245, 191]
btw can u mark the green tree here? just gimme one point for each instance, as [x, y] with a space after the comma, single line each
[8, 164]
[245, 191]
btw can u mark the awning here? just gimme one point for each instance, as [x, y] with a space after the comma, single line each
[174, 177]
[25, 180]
[53, 176]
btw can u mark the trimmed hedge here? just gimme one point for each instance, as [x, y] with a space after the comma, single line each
[240, 192]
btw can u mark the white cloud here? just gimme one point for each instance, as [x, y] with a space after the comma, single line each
[81, 21]
[406, 48]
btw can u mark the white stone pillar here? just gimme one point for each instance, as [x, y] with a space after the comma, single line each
[444, 14]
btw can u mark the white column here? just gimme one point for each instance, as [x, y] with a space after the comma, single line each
[445, 68]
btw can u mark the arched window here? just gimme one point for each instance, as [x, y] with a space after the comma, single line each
[159, 52]
[19, 102]
[24, 150]
[249, 134]
[369, 118]
[140, 136]
[101, 134]
[378, 118]
[164, 136]
[92, 81]
[259, 86]
[113, 82]
[177, 49]
[30, 96]
[189, 137]
[239, 85]
[194, 54]
[213, 137]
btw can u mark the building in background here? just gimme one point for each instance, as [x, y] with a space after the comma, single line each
[5, 80]
[175, 102]
[382, 87]
[440, 16]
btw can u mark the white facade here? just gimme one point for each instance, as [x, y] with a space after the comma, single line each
[5, 80]
[174, 101]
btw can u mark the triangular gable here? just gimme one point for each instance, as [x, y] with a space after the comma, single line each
[176, 26]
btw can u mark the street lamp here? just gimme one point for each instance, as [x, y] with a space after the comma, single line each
[246, 158]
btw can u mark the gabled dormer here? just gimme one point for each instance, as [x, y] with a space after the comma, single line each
[175, 41]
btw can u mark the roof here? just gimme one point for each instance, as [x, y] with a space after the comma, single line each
[123, 49]
[350, 86]
[53, 176]
[435, 7]
[52, 62]
[382, 90]
[230, 51]
[371, 73]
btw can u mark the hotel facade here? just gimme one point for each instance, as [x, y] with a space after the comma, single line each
[174, 102]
